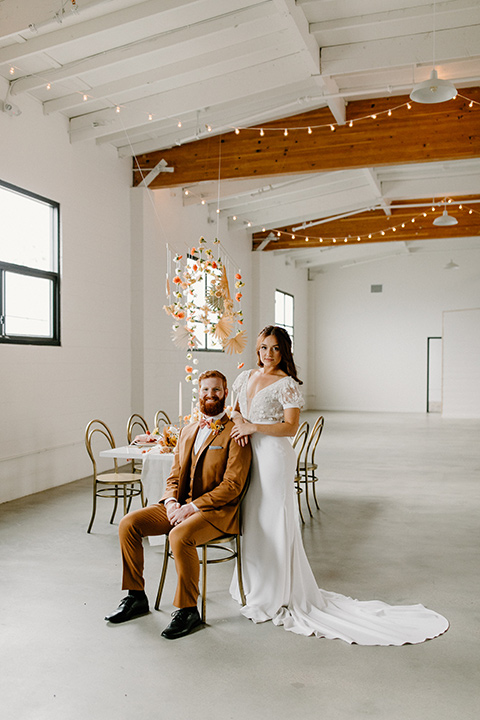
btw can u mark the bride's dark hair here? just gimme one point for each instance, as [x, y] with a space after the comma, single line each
[287, 363]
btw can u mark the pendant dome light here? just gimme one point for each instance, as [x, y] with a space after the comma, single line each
[445, 220]
[433, 90]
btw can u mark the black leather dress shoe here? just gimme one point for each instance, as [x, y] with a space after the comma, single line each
[183, 622]
[129, 608]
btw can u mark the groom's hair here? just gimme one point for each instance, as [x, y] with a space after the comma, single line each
[213, 373]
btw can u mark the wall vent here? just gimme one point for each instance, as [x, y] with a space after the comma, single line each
[376, 288]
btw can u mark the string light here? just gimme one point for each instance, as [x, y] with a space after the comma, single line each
[333, 126]
[379, 233]
[237, 131]
[150, 117]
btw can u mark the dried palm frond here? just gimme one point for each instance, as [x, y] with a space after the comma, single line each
[183, 337]
[236, 344]
[223, 284]
[215, 302]
[228, 307]
[169, 309]
[224, 327]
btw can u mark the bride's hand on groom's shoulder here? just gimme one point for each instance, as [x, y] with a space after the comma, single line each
[241, 431]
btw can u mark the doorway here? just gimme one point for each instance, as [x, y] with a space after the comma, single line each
[434, 375]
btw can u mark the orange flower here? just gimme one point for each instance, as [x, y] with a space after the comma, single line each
[193, 251]
[240, 322]
[195, 268]
[214, 265]
[188, 369]
[180, 315]
[240, 365]
[238, 296]
[177, 280]
[238, 276]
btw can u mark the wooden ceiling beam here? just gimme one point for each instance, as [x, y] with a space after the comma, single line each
[425, 133]
[369, 226]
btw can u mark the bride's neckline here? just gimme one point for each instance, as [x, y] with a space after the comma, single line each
[251, 399]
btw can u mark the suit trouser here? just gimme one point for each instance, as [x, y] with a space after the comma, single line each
[184, 538]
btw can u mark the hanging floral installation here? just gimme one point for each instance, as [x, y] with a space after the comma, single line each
[199, 300]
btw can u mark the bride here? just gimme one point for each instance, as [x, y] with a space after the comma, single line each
[278, 581]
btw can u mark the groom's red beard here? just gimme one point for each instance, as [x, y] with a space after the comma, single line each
[212, 407]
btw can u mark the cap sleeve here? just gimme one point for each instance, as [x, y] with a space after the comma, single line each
[290, 395]
[240, 381]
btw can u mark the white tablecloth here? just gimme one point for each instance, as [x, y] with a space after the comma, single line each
[156, 468]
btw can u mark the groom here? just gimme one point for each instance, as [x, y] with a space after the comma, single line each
[200, 503]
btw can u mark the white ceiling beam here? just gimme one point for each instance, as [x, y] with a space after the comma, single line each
[400, 21]
[311, 54]
[171, 10]
[393, 52]
[305, 188]
[247, 111]
[371, 177]
[299, 24]
[176, 102]
[173, 76]
[310, 209]
[167, 46]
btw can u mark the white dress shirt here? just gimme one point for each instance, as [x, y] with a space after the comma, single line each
[201, 436]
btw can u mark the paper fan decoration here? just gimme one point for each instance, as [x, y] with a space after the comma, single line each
[197, 286]
[183, 337]
[236, 344]
[215, 300]
[224, 327]
[223, 284]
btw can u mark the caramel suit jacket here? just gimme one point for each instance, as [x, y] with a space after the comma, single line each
[214, 478]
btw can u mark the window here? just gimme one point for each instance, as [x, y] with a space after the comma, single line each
[206, 341]
[284, 311]
[29, 268]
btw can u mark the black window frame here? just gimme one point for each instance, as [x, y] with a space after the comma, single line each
[206, 334]
[26, 271]
[282, 325]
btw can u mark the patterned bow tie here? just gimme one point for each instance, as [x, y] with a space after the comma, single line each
[216, 426]
[205, 421]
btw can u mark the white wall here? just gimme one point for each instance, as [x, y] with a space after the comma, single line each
[461, 364]
[48, 394]
[272, 273]
[369, 350]
[160, 217]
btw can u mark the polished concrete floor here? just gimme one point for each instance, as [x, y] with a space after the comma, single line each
[400, 500]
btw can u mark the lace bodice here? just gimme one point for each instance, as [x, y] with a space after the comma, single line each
[268, 404]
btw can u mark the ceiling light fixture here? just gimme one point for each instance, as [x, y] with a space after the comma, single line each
[444, 220]
[433, 90]
[451, 266]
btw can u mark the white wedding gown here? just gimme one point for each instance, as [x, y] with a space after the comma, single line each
[278, 581]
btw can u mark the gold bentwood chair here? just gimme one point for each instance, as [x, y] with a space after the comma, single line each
[116, 485]
[161, 417]
[139, 423]
[299, 445]
[227, 553]
[309, 466]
